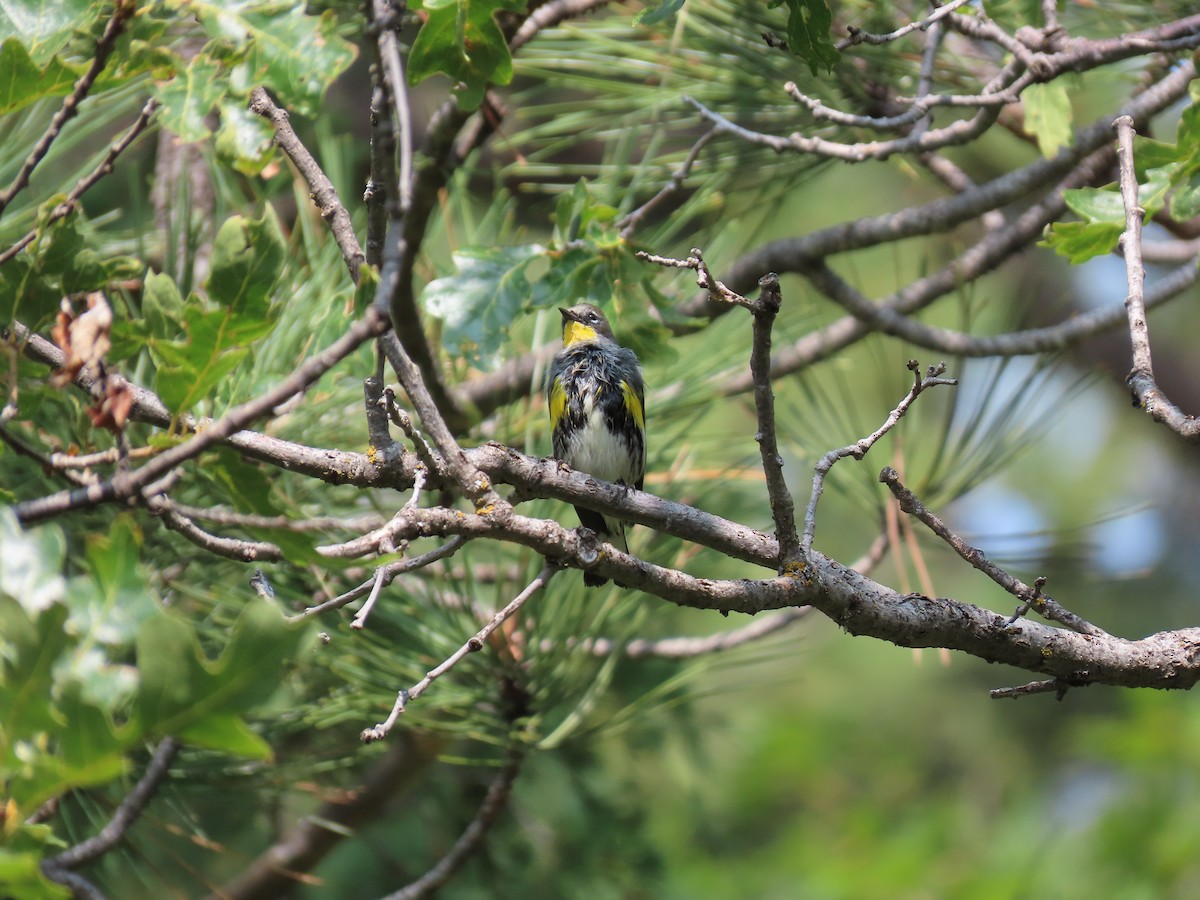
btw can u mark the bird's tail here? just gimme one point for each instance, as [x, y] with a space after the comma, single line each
[607, 529]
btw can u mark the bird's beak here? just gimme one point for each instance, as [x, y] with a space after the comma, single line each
[566, 314]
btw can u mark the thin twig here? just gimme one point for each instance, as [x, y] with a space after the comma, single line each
[381, 578]
[859, 448]
[704, 278]
[385, 575]
[71, 202]
[19, 447]
[629, 223]
[405, 423]
[226, 547]
[960, 132]
[321, 189]
[1039, 584]
[1034, 687]
[858, 36]
[472, 837]
[783, 510]
[690, 647]
[123, 10]
[911, 504]
[127, 813]
[475, 644]
[124, 485]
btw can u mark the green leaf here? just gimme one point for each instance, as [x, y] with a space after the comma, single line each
[578, 274]
[85, 273]
[184, 692]
[229, 734]
[32, 647]
[21, 874]
[808, 32]
[461, 39]
[23, 81]
[188, 98]
[1096, 204]
[248, 256]
[1185, 201]
[1151, 154]
[46, 28]
[188, 369]
[364, 291]
[245, 140]
[277, 44]
[477, 303]
[162, 305]
[92, 747]
[1048, 115]
[1105, 204]
[652, 15]
[111, 605]
[1080, 241]
[30, 564]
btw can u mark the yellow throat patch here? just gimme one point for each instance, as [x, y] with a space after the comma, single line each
[574, 332]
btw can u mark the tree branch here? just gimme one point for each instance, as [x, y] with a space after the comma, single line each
[278, 869]
[1141, 380]
[323, 194]
[124, 485]
[474, 645]
[1030, 596]
[122, 820]
[71, 202]
[472, 837]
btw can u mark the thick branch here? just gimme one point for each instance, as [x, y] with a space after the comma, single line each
[1146, 392]
[126, 484]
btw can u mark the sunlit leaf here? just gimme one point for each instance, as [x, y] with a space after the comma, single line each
[477, 303]
[461, 39]
[22, 80]
[1048, 115]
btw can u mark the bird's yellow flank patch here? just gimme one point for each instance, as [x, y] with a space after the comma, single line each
[558, 402]
[574, 332]
[633, 404]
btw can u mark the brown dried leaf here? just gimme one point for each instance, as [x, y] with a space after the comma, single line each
[84, 340]
[112, 410]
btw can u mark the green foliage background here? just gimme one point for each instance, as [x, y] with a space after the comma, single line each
[810, 764]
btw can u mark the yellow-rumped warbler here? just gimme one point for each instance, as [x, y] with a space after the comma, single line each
[597, 411]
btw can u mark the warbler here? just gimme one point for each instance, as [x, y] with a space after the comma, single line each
[597, 413]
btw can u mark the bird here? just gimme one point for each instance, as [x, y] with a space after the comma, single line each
[597, 406]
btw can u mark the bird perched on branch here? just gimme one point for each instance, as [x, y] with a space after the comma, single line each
[597, 412]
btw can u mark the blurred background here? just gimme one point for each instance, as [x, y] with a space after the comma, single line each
[807, 763]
